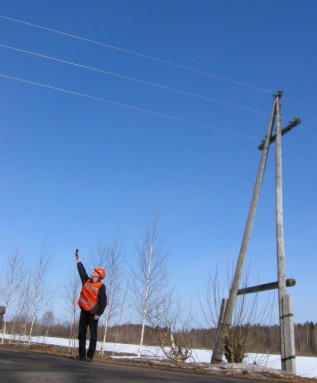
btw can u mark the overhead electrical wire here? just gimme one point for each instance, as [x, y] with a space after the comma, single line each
[148, 57]
[208, 99]
[300, 108]
[132, 78]
[310, 131]
[175, 118]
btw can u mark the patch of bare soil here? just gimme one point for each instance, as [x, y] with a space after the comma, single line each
[246, 371]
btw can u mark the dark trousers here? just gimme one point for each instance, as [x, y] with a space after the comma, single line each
[87, 320]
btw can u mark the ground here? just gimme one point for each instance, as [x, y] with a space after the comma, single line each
[234, 370]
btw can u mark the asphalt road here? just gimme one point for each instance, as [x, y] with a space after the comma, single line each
[28, 367]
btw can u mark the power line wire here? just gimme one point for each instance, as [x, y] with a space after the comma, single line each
[180, 66]
[310, 131]
[209, 99]
[129, 106]
[301, 109]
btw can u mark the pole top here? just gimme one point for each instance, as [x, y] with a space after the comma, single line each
[279, 93]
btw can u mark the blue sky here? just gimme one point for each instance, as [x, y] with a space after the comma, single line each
[75, 169]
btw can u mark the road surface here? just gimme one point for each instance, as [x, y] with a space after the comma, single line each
[28, 367]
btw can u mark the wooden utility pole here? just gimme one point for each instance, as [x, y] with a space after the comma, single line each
[285, 303]
[224, 327]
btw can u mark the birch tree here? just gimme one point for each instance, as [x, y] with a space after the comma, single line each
[12, 280]
[25, 299]
[47, 321]
[21, 307]
[72, 289]
[123, 307]
[149, 277]
[111, 255]
[40, 290]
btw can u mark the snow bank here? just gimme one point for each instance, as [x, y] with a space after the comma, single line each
[305, 366]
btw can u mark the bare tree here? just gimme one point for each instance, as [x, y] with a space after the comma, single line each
[177, 350]
[40, 290]
[122, 308]
[149, 277]
[173, 343]
[211, 300]
[47, 321]
[13, 269]
[23, 299]
[72, 289]
[111, 255]
[247, 312]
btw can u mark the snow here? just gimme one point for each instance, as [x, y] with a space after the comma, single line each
[305, 366]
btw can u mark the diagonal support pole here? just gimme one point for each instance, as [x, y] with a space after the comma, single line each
[224, 327]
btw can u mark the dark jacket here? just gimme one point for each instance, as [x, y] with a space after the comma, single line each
[102, 296]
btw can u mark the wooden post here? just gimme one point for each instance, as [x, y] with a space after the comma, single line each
[286, 333]
[225, 326]
[289, 359]
[219, 346]
[2, 312]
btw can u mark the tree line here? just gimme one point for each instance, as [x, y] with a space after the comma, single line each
[262, 339]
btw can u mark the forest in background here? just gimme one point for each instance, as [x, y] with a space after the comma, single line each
[261, 339]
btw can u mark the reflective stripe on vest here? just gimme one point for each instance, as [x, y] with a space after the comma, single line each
[83, 301]
[89, 295]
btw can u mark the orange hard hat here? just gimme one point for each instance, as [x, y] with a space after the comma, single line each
[101, 271]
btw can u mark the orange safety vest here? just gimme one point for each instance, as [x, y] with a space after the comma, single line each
[89, 295]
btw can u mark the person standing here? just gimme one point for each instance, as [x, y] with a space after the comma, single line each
[92, 303]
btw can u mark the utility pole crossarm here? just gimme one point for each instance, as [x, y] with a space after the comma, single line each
[289, 127]
[265, 287]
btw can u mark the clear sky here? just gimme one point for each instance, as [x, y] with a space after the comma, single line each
[166, 121]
